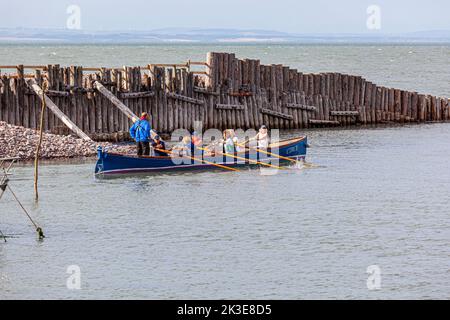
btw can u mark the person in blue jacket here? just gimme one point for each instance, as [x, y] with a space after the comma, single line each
[141, 132]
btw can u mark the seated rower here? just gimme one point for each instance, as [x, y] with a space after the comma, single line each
[185, 147]
[262, 138]
[210, 149]
[196, 139]
[235, 140]
[230, 142]
[159, 145]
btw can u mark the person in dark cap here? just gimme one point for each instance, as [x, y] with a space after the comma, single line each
[159, 145]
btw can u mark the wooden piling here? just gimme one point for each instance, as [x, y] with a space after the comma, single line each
[230, 93]
[49, 103]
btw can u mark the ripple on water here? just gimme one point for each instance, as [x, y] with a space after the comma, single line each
[379, 198]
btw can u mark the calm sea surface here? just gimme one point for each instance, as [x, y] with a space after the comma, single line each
[379, 196]
[420, 68]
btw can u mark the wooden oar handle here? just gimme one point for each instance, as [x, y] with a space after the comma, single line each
[243, 143]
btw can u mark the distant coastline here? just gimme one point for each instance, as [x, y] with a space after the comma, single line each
[211, 36]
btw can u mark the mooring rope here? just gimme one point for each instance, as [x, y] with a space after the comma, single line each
[39, 230]
[23, 208]
[5, 185]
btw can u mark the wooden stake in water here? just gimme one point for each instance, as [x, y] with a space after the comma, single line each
[38, 148]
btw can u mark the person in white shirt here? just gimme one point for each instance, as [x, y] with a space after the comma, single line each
[262, 138]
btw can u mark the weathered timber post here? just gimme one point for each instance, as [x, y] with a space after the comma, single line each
[115, 101]
[38, 148]
[54, 108]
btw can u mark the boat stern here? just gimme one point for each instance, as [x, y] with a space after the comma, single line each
[303, 149]
[100, 157]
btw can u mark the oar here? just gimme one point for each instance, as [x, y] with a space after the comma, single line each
[202, 160]
[249, 160]
[270, 153]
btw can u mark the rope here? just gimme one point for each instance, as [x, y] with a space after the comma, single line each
[3, 186]
[23, 208]
[39, 230]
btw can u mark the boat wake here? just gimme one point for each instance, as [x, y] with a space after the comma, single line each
[301, 165]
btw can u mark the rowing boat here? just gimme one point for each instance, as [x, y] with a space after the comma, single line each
[109, 164]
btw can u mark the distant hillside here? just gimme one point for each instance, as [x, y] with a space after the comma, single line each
[193, 35]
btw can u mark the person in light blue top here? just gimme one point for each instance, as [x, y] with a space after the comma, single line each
[230, 142]
[141, 132]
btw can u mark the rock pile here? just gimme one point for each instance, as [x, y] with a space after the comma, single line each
[21, 142]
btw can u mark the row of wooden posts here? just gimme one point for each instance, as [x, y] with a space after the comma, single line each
[230, 93]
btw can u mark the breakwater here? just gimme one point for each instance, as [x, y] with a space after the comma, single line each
[19, 142]
[222, 92]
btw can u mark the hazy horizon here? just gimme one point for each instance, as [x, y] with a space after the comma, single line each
[294, 17]
[177, 30]
[204, 35]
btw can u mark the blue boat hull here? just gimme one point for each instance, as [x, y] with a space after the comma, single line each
[109, 164]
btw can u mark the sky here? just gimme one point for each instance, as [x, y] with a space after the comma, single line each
[293, 16]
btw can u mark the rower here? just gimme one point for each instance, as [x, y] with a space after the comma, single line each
[262, 138]
[159, 145]
[185, 147]
[196, 139]
[230, 143]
